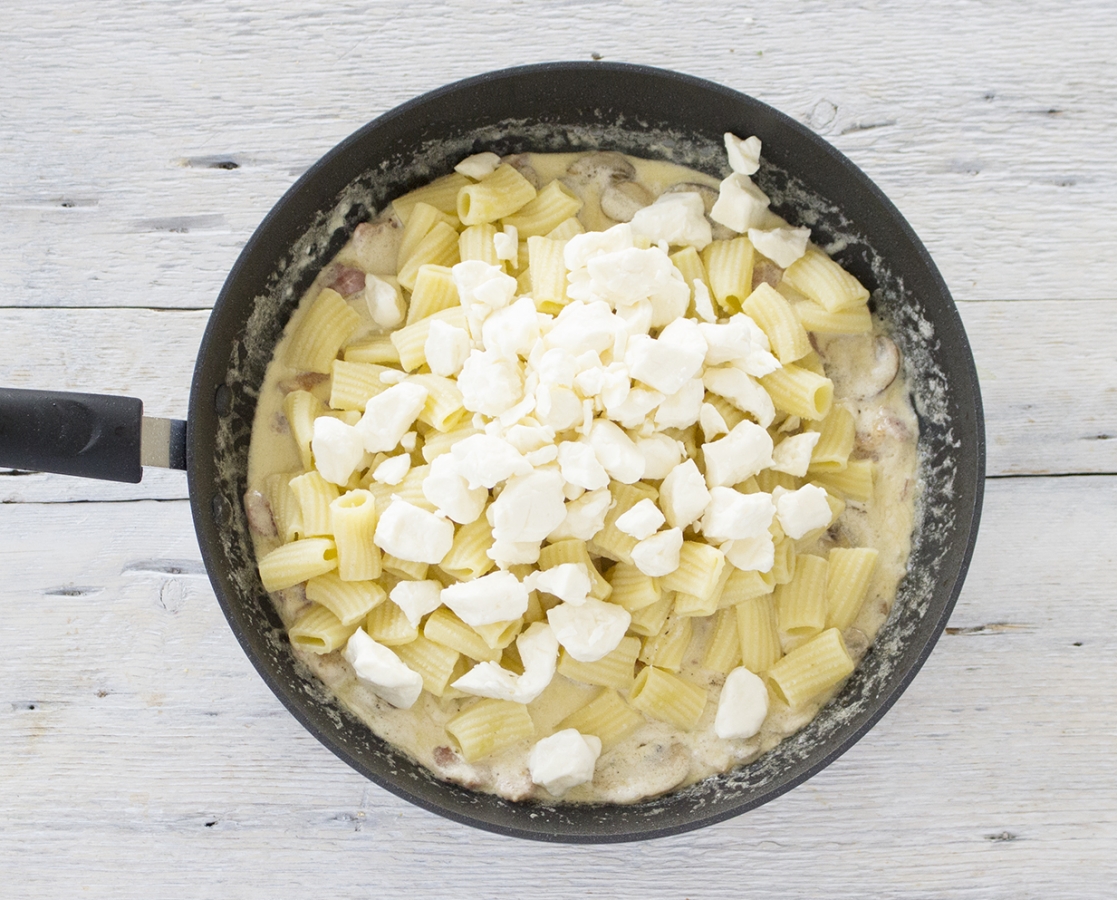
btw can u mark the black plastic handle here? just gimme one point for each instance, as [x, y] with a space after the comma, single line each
[90, 435]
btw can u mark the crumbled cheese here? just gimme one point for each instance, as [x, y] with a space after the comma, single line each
[383, 671]
[683, 495]
[557, 407]
[669, 362]
[678, 218]
[756, 554]
[557, 367]
[583, 247]
[496, 597]
[338, 449]
[658, 555]
[629, 276]
[563, 760]
[580, 466]
[636, 405]
[451, 494]
[743, 154]
[514, 553]
[616, 452]
[703, 302]
[803, 510]
[411, 533]
[584, 326]
[642, 521]
[793, 454]
[781, 245]
[681, 409]
[393, 470]
[526, 438]
[490, 384]
[712, 422]
[585, 516]
[478, 165]
[484, 460]
[391, 376]
[384, 301]
[408, 441]
[570, 582]
[743, 391]
[732, 515]
[590, 631]
[417, 598]
[743, 705]
[539, 655]
[741, 205]
[529, 508]
[512, 331]
[661, 454]
[389, 415]
[739, 341]
[446, 349]
[507, 243]
[739, 455]
[542, 456]
[615, 385]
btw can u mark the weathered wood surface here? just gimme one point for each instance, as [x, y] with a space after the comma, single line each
[142, 756]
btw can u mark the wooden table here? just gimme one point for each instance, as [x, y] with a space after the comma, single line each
[140, 145]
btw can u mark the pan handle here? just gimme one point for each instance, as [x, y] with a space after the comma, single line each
[89, 435]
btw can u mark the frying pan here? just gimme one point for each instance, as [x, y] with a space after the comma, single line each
[552, 107]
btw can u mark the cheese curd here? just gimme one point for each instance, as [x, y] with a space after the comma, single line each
[578, 469]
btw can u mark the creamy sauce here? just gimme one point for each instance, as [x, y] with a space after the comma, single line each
[868, 381]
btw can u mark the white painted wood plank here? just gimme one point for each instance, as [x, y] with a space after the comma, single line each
[1048, 380]
[992, 777]
[116, 114]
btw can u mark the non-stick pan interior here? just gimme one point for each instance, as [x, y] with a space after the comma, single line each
[644, 112]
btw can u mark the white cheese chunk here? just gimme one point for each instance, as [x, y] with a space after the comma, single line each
[584, 326]
[636, 406]
[514, 553]
[393, 470]
[793, 454]
[741, 205]
[670, 361]
[642, 521]
[558, 408]
[563, 760]
[481, 287]
[703, 302]
[507, 243]
[389, 415]
[526, 438]
[408, 441]
[803, 510]
[580, 466]
[417, 598]
[539, 655]
[743, 154]
[712, 422]
[383, 671]
[585, 516]
[616, 452]
[529, 508]
[542, 456]
[743, 705]
[630, 276]
[661, 454]
[392, 377]
[781, 245]
[570, 582]
[478, 165]
[490, 384]
[683, 496]
[739, 341]
[739, 455]
[756, 554]
[658, 555]
[484, 460]
[512, 331]
[411, 533]
[384, 301]
[732, 515]
[590, 631]
[447, 348]
[451, 494]
[678, 218]
[682, 409]
[743, 391]
[496, 597]
[583, 247]
[338, 449]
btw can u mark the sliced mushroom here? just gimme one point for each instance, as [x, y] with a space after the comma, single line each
[766, 272]
[346, 280]
[606, 166]
[885, 367]
[259, 513]
[374, 247]
[709, 195]
[521, 162]
[665, 766]
[622, 201]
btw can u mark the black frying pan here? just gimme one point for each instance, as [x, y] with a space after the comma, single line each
[554, 107]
